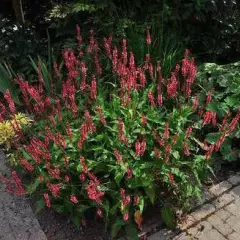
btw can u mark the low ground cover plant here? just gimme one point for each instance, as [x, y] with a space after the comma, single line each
[110, 136]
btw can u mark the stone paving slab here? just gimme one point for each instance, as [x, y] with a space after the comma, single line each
[17, 221]
[218, 218]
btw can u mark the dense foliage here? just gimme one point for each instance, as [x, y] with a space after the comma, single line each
[110, 133]
[224, 82]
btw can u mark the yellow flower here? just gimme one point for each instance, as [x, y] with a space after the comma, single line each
[7, 131]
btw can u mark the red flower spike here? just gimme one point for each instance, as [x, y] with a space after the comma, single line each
[26, 165]
[118, 156]
[99, 212]
[171, 178]
[189, 131]
[54, 188]
[151, 98]
[166, 131]
[94, 193]
[185, 149]
[148, 36]
[144, 120]
[129, 173]
[10, 102]
[126, 216]
[67, 178]
[73, 199]
[82, 178]
[47, 200]
[136, 200]
[93, 88]
[137, 148]
[195, 103]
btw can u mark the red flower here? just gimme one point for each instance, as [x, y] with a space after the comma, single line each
[189, 131]
[151, 98]
[185, 149]
[54, 188]
[143, 147]
[210, 151]
[26, 165]
[144, 120]
[99, 212]
[166, 131]
[209, 97]
[67, 178]
[118, 156]
[137, 148]
[126, 216]
[47, 200]
[160, 100]
[82, 177]
[195, 103]
[129, 173]
[94, 88]
[9, 100]
[171, 178]
[156, 152]
[94, 193]
[148, 37]
[73, 199]
[136, 200]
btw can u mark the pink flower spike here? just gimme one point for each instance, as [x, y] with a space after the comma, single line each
[148, 36]
[73, 199]
[47, 200]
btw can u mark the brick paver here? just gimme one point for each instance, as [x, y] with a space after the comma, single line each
[218, 218]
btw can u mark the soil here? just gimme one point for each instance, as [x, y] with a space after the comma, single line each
[58, 227]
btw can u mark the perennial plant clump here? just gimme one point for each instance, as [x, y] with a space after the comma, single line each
[117, 136]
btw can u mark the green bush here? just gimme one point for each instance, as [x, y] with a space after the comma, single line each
[225, 80]
[110, 135]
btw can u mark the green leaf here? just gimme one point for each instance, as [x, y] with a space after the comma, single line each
[116, 227]
[131, 232]
[76, 219]
[32, 187]
[40, 204]
[58, 208]
[151, 194]
[168, 217]
[213, 137]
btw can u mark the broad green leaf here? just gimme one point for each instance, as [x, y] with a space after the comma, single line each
[151, 194]
[168, 217]
[40, 204]
[131, 232]
[116, 227]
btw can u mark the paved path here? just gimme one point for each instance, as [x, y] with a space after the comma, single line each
[217, 218]
[17, 221]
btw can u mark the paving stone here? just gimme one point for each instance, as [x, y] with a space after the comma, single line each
[236, 191]
[234, 236]
[182, 236]
[212, 234]
[222, 227]
[187, 223]
[234, 180]
[161, 235]
[223, 200]
[204, 211]
[223, 214]
[199, 229]
[234, 223]
[17, 220]
[233, 209]
[220, 188]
